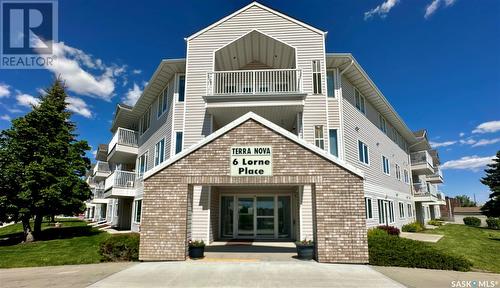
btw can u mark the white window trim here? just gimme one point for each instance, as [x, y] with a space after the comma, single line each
[320, 139]
[391, 210]
[397, 169]
[388, 166]
[156, 145]
[138, 169]
[402, 204]
[175, 141]
[378, 211]
[334, 71]
[320, 77]
[367, 215]
[141, 122]
[176, 87]
[361, 97]
[367, 149]
[406, 176]
[409, 209]
[135, 212]
[165, 90]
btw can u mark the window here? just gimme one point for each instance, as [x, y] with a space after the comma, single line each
[385, 165]
[182, 86]
[382, 123]
[142, 164]
[178, 142]
[334, 143]
[391, 212]
[398, 172]
[360, 101]
[363, 153]
[145, 121]
[381, 213]
[401, 210]
[162, 102]
[160, 152]
[318, 136]
[138, 211]
[330, 83]
[316, 76]
[406, 177]
[410, 210]
[368, 208]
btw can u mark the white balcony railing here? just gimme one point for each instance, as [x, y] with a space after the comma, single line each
[98, 193]
[125, 137]
[102, 167]
[120, 179]
[421, 157]
[248, 82]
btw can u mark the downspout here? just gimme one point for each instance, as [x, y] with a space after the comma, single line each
[341, 110]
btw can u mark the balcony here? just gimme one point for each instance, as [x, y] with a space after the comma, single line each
[120, 184]
[275, 94]
[101, 170]
[436, 177]
[123, 146]
[421, 163]
[422, 194]
[98, 196]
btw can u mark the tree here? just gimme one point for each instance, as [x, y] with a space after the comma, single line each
[42, 164]
[465, 201]
[492, 179]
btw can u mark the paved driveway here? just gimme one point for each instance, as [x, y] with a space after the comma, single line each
[247, 274]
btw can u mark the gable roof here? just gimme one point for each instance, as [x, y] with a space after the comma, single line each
[255, 4]
[266, 123]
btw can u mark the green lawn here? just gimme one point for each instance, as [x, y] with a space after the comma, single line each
[73, 243]
[479, 245]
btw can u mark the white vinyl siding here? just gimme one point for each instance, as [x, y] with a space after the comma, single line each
[308, 44]
[386, 165]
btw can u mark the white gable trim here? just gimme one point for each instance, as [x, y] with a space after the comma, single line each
[262, 7]
[266, 123]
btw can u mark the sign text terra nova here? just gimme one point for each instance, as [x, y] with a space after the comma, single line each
[251, 161]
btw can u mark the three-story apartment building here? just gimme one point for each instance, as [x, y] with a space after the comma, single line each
[259, 133]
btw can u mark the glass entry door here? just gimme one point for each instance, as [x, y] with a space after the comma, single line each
[246, 217]
[256, 217]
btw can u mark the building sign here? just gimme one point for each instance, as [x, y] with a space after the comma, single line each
[251, 161]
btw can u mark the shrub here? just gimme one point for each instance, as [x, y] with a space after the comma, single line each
[391, 230]
[493, 223]
[435, 222]
[412, 227]
[196, 243]
[388, 250]
[472, 221]
[124, 247]
[304, 242]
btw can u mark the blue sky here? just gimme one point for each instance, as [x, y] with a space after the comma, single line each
[437, 61]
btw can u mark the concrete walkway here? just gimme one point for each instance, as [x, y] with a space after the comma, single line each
[244, 274]
[73, 276]
[414, 277]
[432, 238]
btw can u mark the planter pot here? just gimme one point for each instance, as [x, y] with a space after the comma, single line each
[196, 252]
[305, 252]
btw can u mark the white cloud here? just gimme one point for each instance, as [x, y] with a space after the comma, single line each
[94, 152]
[462, 134]
[487, 127]
[84, 74]
[442, 144]
[473, 163]
[136, 71]
[484, 142]
[78, 106]
[4, 90]
[382, 10]
[468, 141]
[5, 117]
[132, 95]
[434, 5]
[27, 100]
